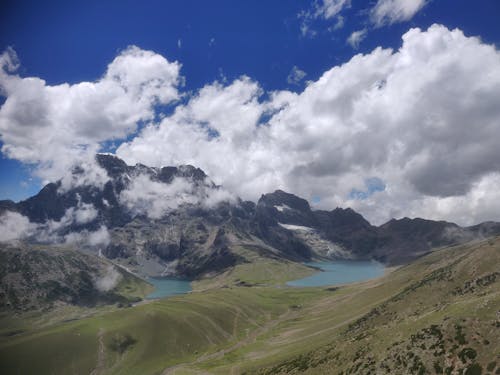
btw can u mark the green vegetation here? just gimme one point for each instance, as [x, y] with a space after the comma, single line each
[121, 342]
[255, 271]
[131, 287]
[436, 315]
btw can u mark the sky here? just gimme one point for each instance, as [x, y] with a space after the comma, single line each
[386, 106]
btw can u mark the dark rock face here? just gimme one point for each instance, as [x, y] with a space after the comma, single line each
[47, 204]
[193, 239]
[350, 229]
[402, 240]
[7, 205]
[114, 166]
[396, 242]
[281, 198]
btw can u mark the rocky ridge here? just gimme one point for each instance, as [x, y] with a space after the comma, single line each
[176, 221]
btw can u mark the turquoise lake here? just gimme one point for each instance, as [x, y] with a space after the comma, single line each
[165, 287]
[340, 272]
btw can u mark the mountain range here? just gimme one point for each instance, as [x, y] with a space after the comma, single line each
[174, 221]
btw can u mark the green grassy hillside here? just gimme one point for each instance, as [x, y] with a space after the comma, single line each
[443, 318]
[256, 270]
[436, 315]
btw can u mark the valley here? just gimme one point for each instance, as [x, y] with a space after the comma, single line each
[441, 311]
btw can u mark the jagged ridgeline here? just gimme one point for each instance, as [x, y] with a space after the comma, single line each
[176, 221]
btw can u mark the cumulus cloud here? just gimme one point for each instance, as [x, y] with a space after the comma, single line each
[386, 12]
[14, 226]
[83, 213]
[154, 199]
[87, 172]
[422, 119]
[356, 38]
[99, 238]
[109, 280]
[146, 197]
[39, 123]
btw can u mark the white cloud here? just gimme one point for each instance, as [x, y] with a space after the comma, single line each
[98, 238]
[87, 172]
[212, 197]
[323, 9]
[387, 12]
[109, 280]
[356, 38]
[423, 119]
[83, 213]
[296, 76]
[338, 24]
[330, 8]
[155, 199]
[56, 126]
[14, 226]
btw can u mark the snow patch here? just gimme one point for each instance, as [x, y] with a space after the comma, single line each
[282, 207]
[296, 227]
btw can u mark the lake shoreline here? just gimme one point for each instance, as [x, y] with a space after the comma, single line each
[340, 272]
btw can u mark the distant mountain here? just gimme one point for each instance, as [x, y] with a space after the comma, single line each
[344, 233]
[176, 221]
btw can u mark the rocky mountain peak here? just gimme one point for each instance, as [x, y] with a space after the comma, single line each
[116, 168]
[280, 198]
[347, 217]
[113, 165]
[407, 224]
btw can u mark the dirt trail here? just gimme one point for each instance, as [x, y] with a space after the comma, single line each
[250, 338]
[100, 354]
[270, 324]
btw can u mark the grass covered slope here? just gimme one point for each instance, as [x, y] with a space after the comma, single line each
[436, 315]
[255, 270]
[444, 319]
[150, 337]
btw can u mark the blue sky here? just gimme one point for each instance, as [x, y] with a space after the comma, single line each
[72, 41]
[75, 41]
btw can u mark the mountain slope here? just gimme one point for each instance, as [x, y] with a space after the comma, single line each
[41, 277]
[439, 312]
[443, 321]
